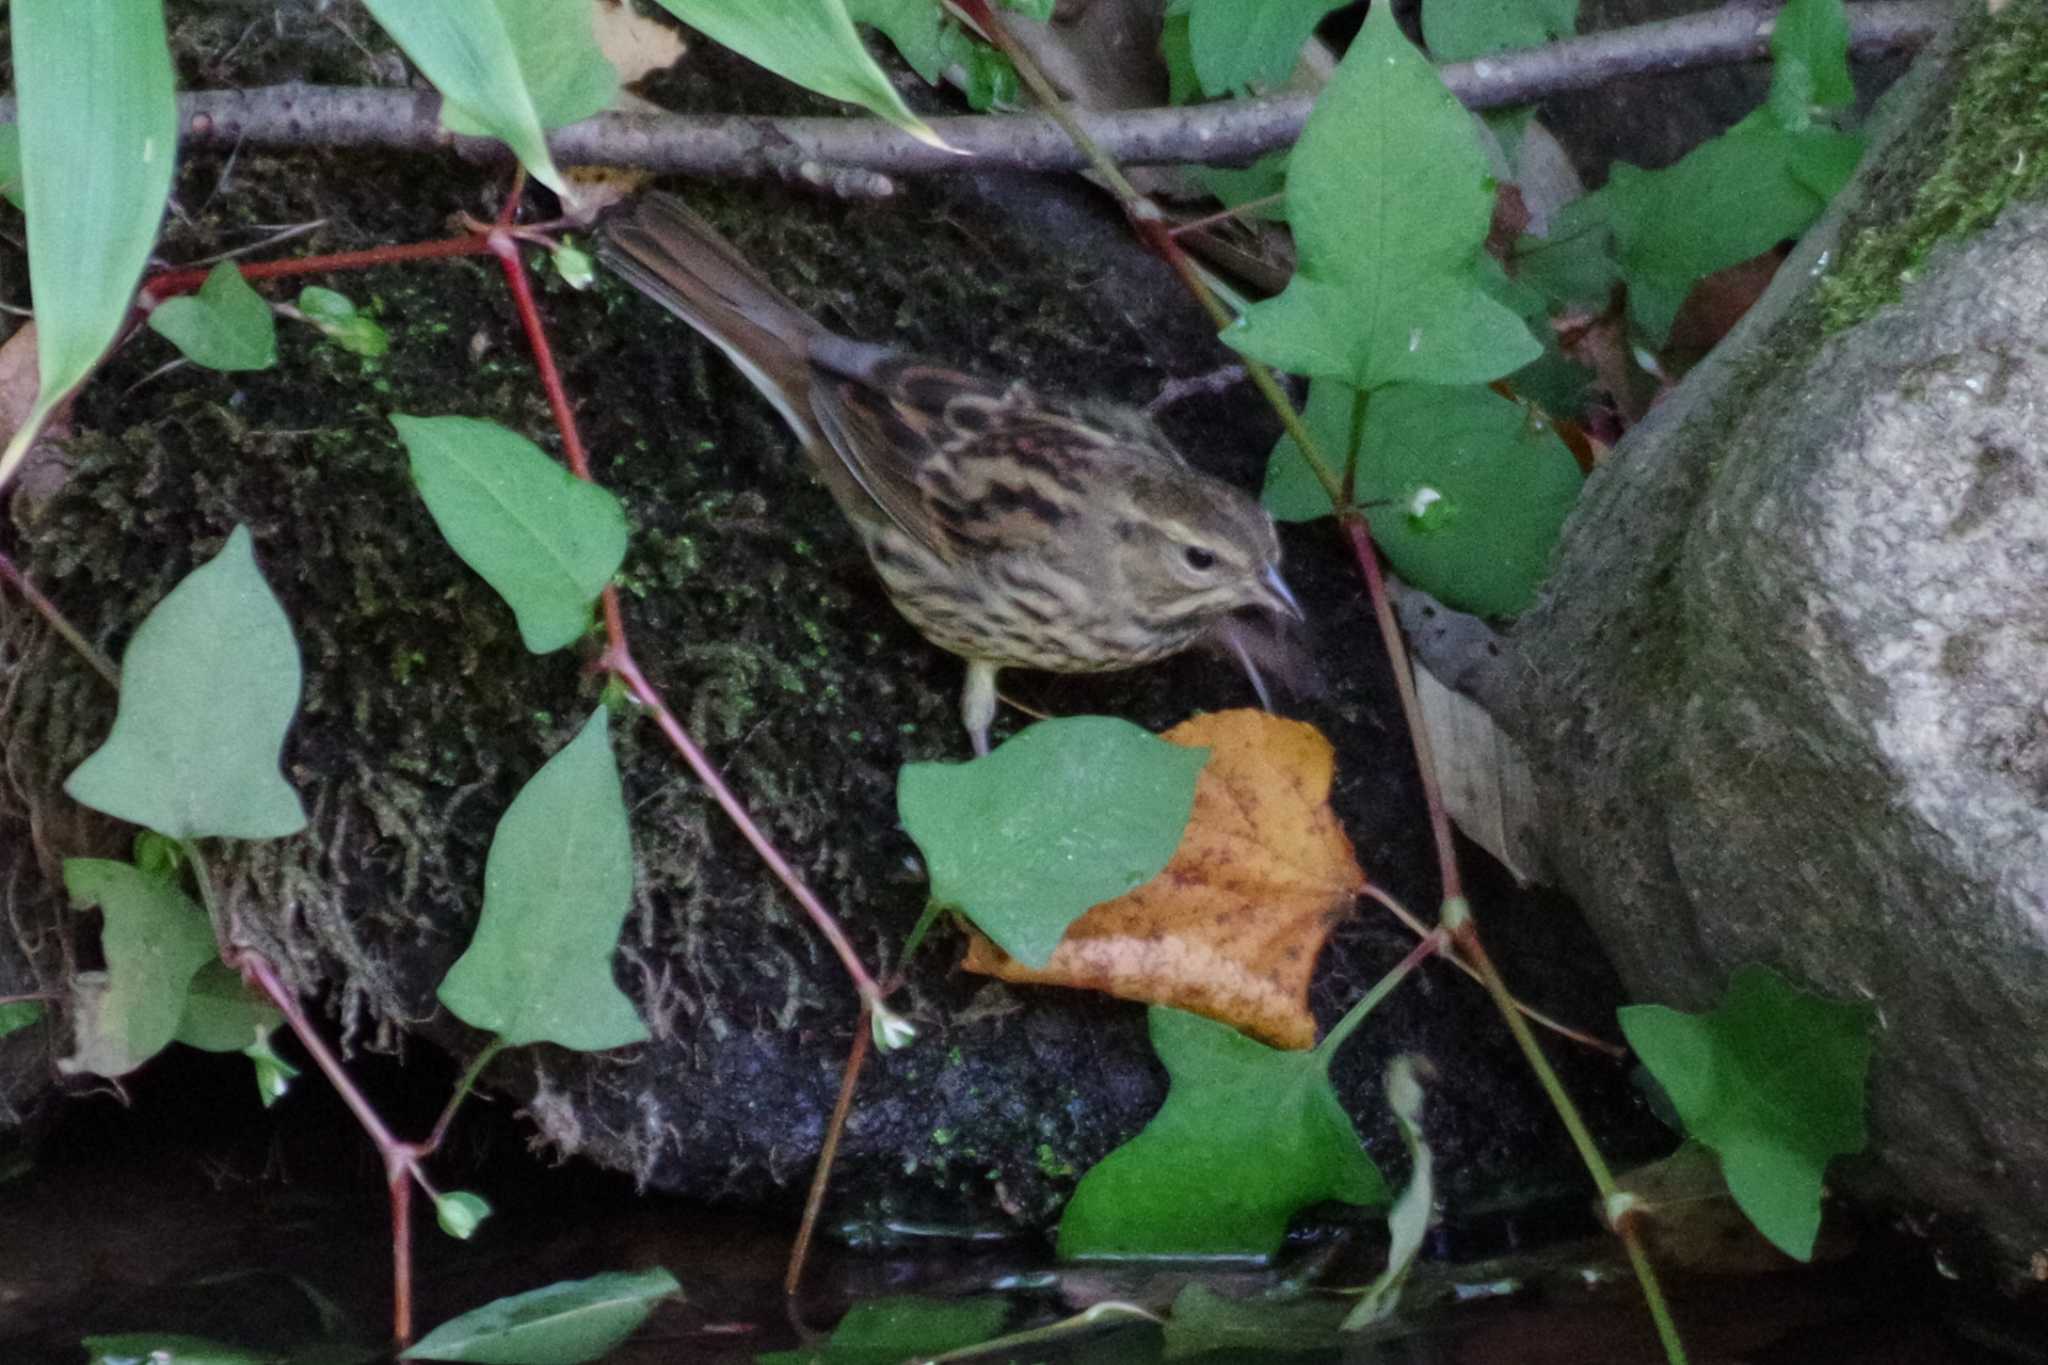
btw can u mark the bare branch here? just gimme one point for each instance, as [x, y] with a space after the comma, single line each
[1229, 132]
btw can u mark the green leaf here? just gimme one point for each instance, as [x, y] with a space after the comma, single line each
[547, 541]
[1414, 1210]
[1248, 1135]
[557, 885]
[154, 940]
[274, 1075]
[508, 69]
[99, 135]
[10, 164]
[1773, 1082]
[1722, 203]
[158, 854]
[16, 1015]
[208, 687]
[1475, 487]
[934, 45]
[1459, 30]
[223, 1013]
[1391, 200]
[1574, 267]
[1261, 180]
[1237, 44]
[326, 307]
[225, 326]
[575, 1320]
[887, 1330]
[1176, 51]
[336, 317]
[170, 1348]
[1810, 61]
[574, 265]
[1261, 1329]
[813, 44]
[461, 1213]
[1066, 815]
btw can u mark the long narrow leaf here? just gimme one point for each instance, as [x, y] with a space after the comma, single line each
[99, 133]
[508, 69]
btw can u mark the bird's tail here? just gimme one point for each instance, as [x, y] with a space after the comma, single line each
[673, 256]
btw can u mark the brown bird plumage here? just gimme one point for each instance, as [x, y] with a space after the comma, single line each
[1010, 530]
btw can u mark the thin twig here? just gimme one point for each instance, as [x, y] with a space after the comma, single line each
[1227, 133]
[68, 633]
[1423, 931]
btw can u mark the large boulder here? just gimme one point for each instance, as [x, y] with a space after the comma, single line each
[1787, 692]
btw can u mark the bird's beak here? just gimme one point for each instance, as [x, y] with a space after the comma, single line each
[1276, 596]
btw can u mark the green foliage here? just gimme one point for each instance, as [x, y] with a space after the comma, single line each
[1177, 51]
[10, 164]
[461, 1213]
[1238, 44]
[169, 1348]
[508, 69]
[16, 1015]
[208, 688]
[1722, 203]
[1476, 487]
[1066, 815]
[274, 1075]
[99, 135]
[1810, 55]
[1261, 1328]
[336, 316]
[154, 940]
[887, 1330]
[1248, 1135]
[1459, 30]
[1764, 180]
[547, 541]
[574, 265]
[1414, 1209]
[222, 1012]
[934, 44]
[225, 326]
[1773, 1082]
[813, 44]
[562, 1324]
[557, 885]
[1390, 199]
[1261, 180]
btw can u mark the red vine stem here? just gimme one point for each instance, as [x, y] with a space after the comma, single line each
[184, 281]
[618, 655]
[401, 1159]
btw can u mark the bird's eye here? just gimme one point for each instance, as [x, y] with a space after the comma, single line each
[1200, 558]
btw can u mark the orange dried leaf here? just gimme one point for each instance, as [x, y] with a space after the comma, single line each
[1232, 927]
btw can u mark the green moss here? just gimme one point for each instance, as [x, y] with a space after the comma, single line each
[1957, 172]
[1051, 1165]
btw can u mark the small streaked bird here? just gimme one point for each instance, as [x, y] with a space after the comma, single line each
[1011, 530]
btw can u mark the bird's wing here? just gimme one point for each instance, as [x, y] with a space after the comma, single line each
[965, 467]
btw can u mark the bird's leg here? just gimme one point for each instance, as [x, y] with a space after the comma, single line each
[978, 702]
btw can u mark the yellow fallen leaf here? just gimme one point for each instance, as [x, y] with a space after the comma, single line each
[1231, 928]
